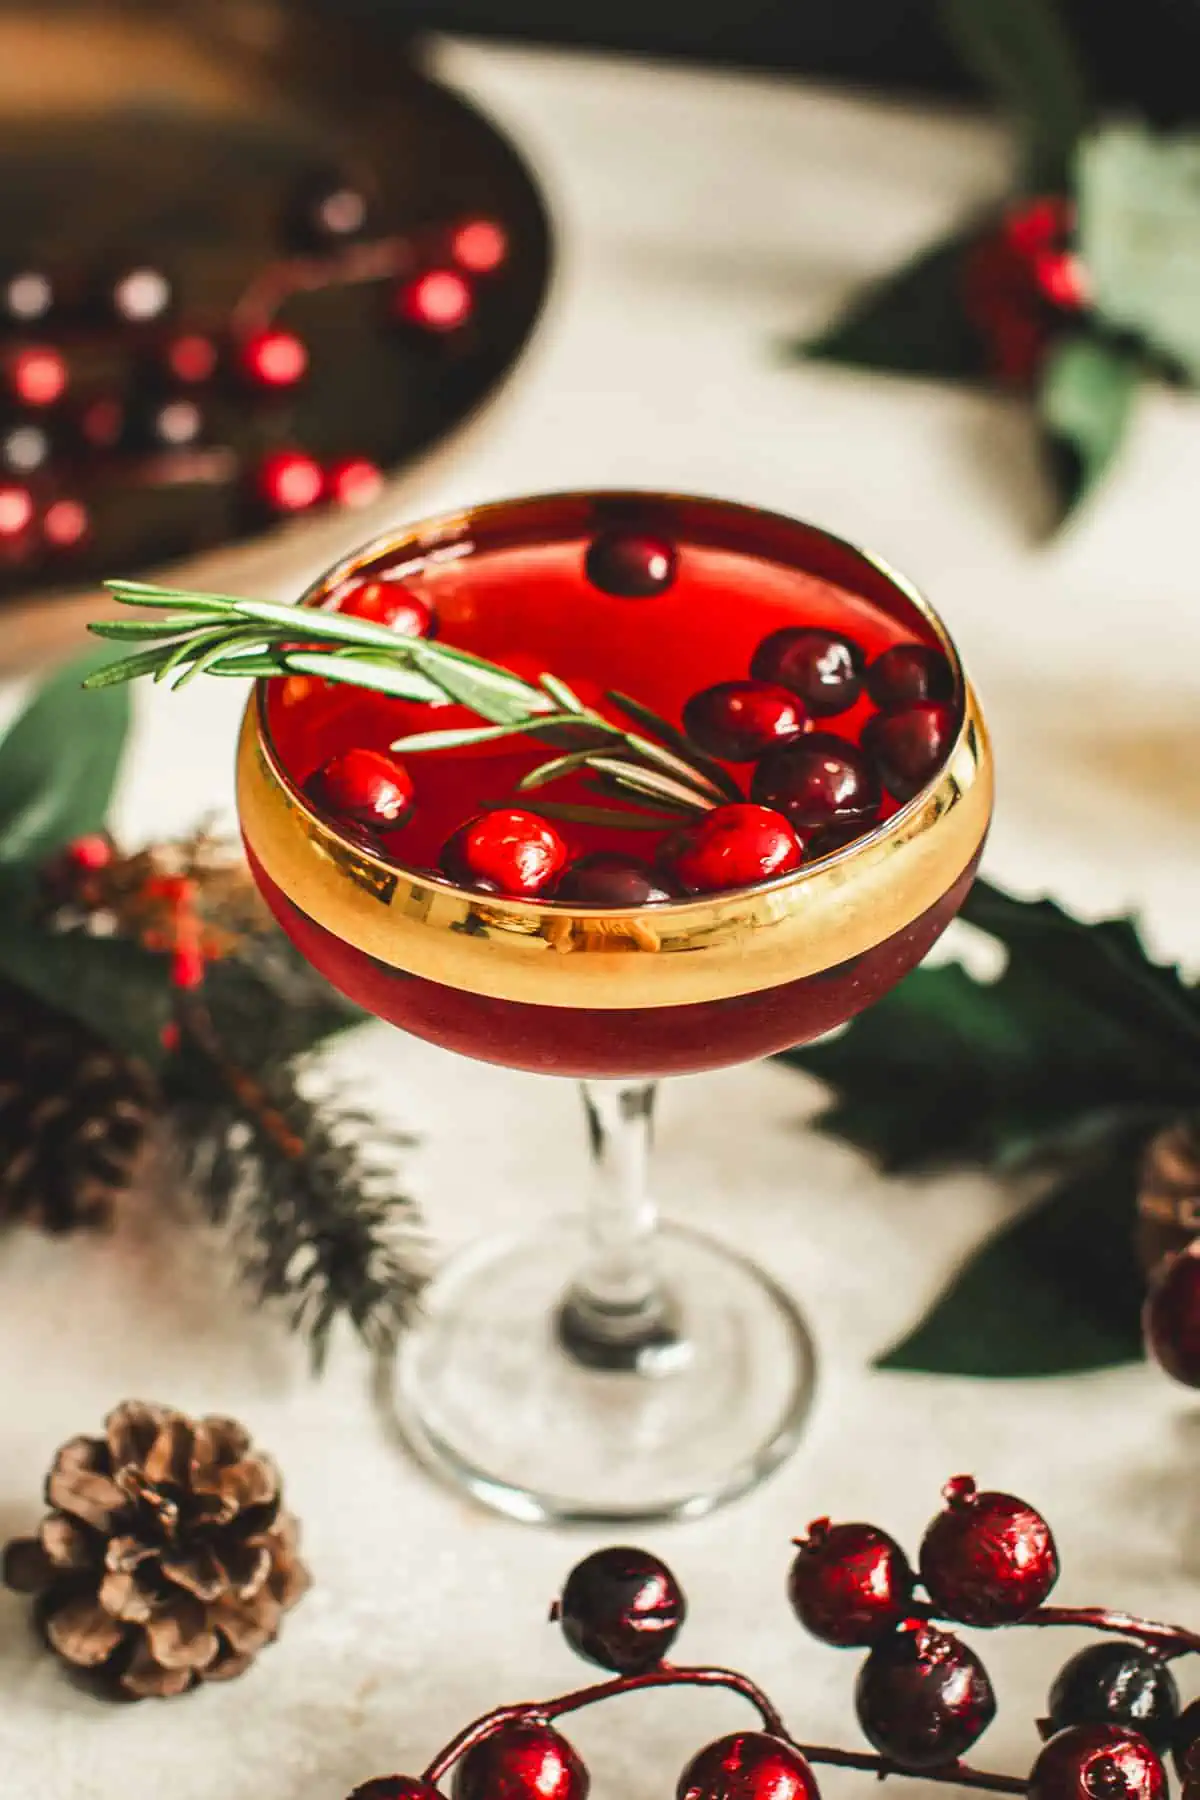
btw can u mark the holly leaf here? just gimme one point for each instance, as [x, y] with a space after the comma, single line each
[910, 323]
[273, 1005]
[1085, 400]
[59, 764]
[1022, 52]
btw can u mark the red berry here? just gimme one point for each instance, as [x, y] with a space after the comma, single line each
[1185, 1746]
[733, 846]
[366, 786]
[274, 359]
[289, 481]
[748, 1765]
[621, 1609]
[523, 1760]
[606, 878]
[354, 481]
[1097, 1762]
[909, 747]
[907, 673]
[834, 837]
[38, 375]
[388, 603]
[506, 851]
[1171, 1316]
[850, 1584]
[823, 667]
[738, 720]
[439, 300]
[988, 1559]
[396, 1787]
[923, 1698]
[95, 850]
[818, 780]
[633, 565]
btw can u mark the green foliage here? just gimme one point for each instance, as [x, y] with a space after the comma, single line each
[1085, 399]
[59, 763]
[1023, 53]
[909, 323]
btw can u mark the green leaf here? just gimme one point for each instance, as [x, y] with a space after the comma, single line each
[562, 694]
[59, 764]
[1085, 398]
[1057, 1292]
[678, 740]
[487, 734]
[1023, 52]
[911, 322]
[619, 817]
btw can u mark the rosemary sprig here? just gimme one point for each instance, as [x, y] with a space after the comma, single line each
[222, 635]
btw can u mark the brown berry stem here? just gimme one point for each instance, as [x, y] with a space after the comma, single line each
[959, 1774]
[1171, 1640]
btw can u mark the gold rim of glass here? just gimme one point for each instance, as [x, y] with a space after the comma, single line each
[550, 953]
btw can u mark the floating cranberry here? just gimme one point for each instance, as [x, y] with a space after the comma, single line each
[367, 787]
[738, 720]
[507, 851]
[988, 1559]
[733, 846]
[907, 673]
[621, 1609]
[818, 780]
[1116, 1683]
[633, 565]
[834, 837]
[1097, 1762]
[388, 603]
[523, 1760]
[923, 1698]
[909, 747]
[823, 667]
[606, 878]
[850, 1584]
[1171, 1316]
[748, 1765]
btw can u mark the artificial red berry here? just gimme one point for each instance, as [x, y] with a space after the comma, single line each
[1116, 1683]
[1171, 1315]
[923, 1697]
[909, 747]
[388, 603]
[523, 1760]
[748, 1765]
[507, 851]
[274, 359]
[850, 1584]
[1185, 1743]
[439, 300]
[738, 720]
[95, 850]
[396, 1787]
[633, 565]
[733, 846]
[818, 780]
[907, 673]
[988, 1559]
[606, 878]
[328, 210]
[823, 667]
[1097, 1762]
[289, 481]
[621, 1609]
[367, 787]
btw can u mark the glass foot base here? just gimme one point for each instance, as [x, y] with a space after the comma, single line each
[487, 1396]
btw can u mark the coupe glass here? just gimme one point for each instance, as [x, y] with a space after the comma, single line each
[605, 1368]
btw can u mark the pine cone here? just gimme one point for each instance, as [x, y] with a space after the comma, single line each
[167, 1558]
[1169, 1193]
[73, 1116]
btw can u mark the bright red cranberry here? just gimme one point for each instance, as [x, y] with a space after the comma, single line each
[507, 851]
[733, 846]
[633, 565]
[606, 878]
[523, 1760]
[850, 1584]
[621, 1609]
[737, 720]
[1116, 1683]
[818, 780]
[1171, 1316]
[388, 603]
[748, 1765]
[907, 673]
[396, 1787]
[1097, 1762]
[823, 667]
[923, 1698]
[988, 1559]
[909, 747]
[367, 787]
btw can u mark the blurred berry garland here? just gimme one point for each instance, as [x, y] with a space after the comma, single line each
[1083, 287]
[152, 993]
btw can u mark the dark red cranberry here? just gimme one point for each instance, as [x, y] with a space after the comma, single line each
[748, 1765]
[909, 747]
[834, 837]
[733, 846]
[367, 787]
[907, 673]
[819, 780]
[606, 878]
[621, 1609]
[634, 565]
[1116, 1683]
[738, 720]
[823, 667]
[396, 1787]
[850, 1584]
[508, 849]
[1185, 1743]
[923, 1698]
[388, 603]
[523, 1760]
[1097, 1762]
[988, 1559]
[1171, 1316]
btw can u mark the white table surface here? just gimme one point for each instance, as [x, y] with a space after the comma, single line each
[702, 220]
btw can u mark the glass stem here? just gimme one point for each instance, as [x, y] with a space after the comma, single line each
[617, 1314]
